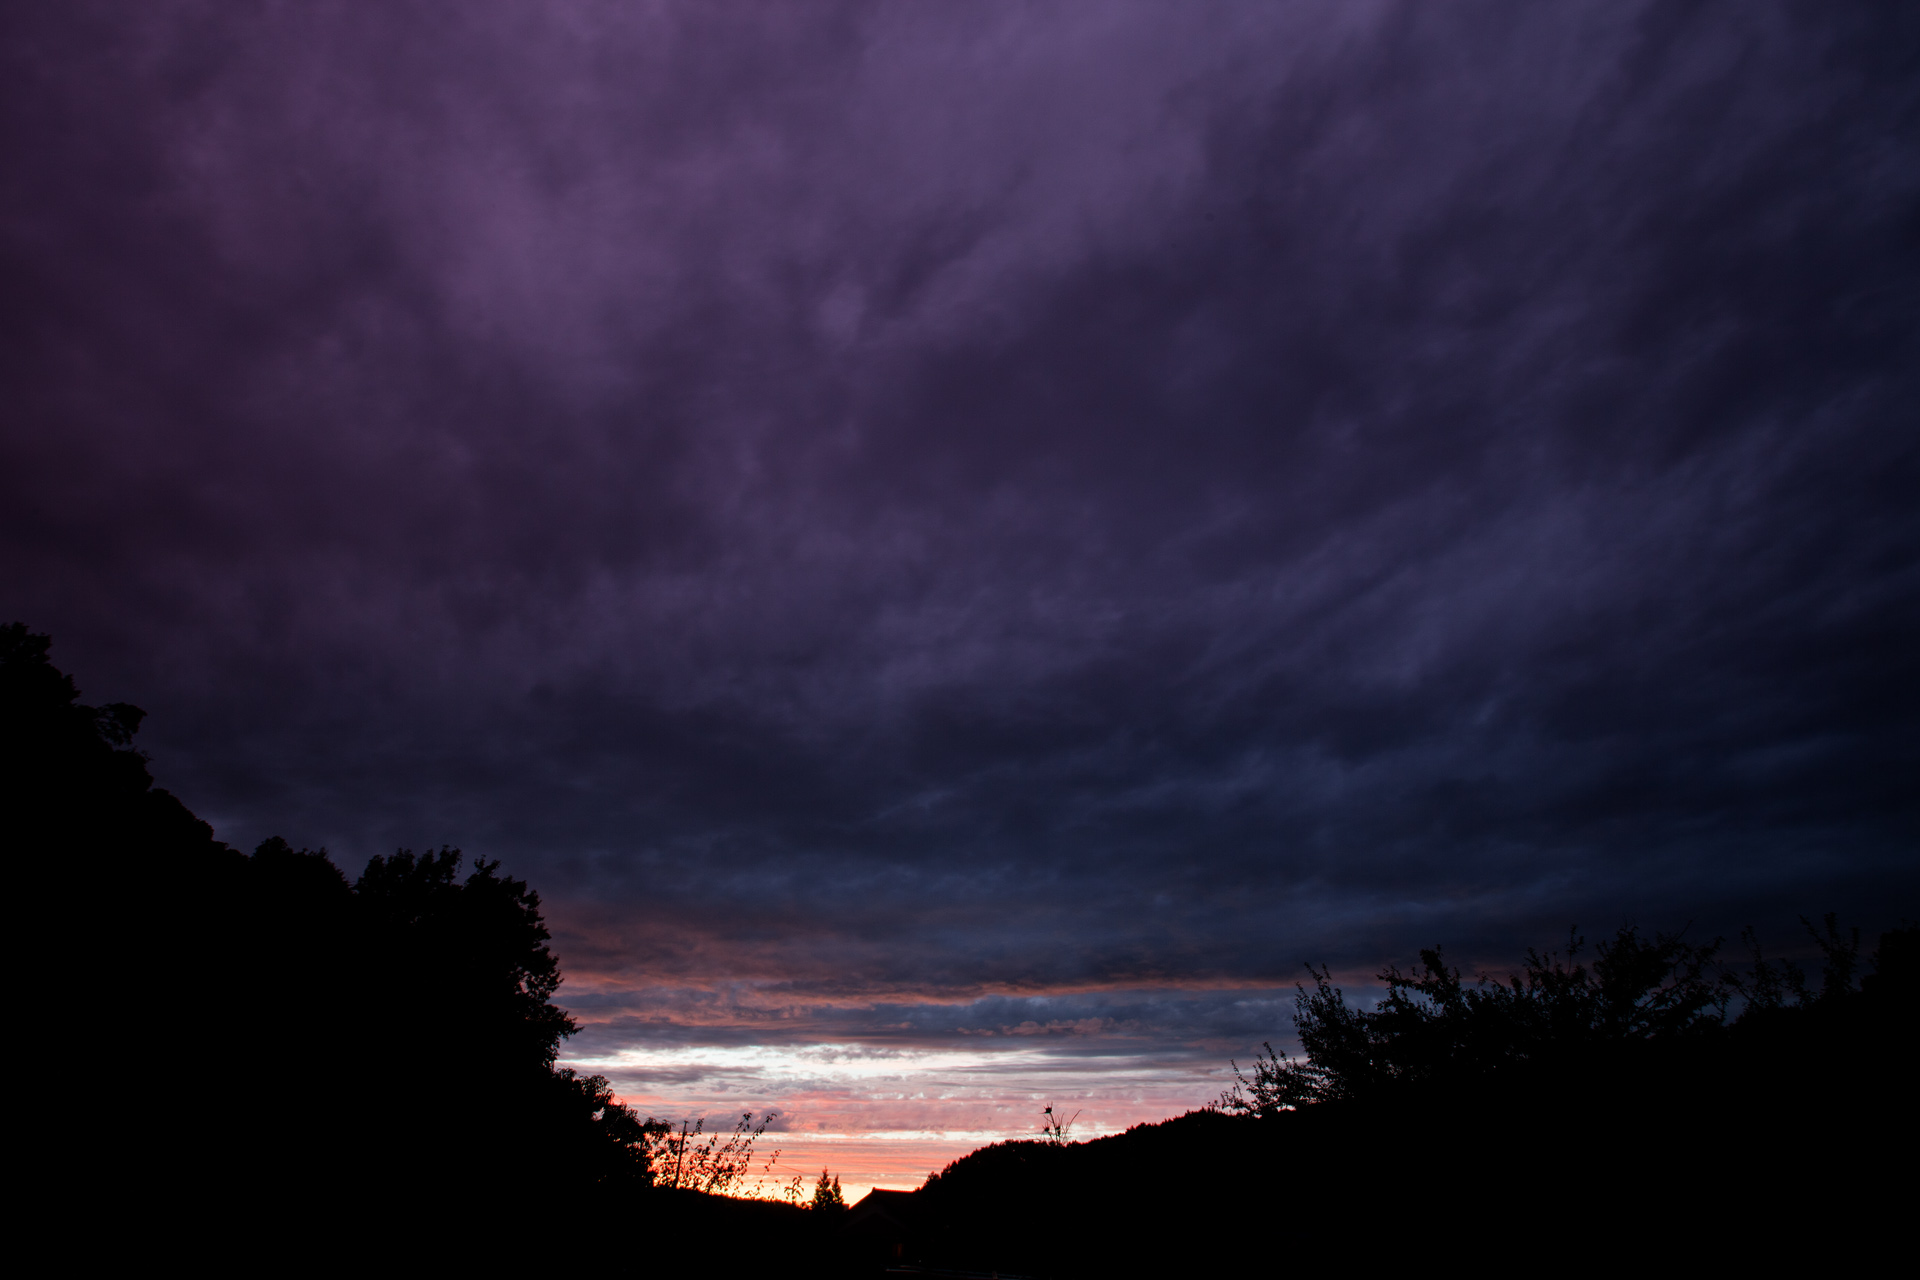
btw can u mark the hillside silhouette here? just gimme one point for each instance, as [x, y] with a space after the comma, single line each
[274, 1064]
[1648, 1109]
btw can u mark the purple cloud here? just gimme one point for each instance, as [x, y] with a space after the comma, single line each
[887, 510]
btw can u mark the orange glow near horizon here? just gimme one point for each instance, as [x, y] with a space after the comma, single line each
[883, 1079]
[888, 1117]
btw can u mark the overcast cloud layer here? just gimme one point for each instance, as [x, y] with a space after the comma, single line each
[911, 520]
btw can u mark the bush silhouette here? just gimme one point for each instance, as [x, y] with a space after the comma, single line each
[1431, 1025]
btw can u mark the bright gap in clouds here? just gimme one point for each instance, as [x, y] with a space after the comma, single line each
[888, 1116]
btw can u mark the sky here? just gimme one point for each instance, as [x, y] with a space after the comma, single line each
[959, 545]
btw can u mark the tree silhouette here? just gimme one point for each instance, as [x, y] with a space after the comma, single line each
[1432, 1026]
[826, 1195]
[716, 1165]
[405, 1022]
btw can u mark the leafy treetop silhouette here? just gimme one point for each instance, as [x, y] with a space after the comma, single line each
[1432, 1026]
[826, 1195]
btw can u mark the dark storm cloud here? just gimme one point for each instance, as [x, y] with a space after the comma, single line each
[964, 504]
